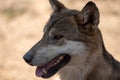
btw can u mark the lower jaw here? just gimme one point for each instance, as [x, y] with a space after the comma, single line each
[52, 71]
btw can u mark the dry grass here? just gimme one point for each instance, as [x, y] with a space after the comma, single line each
[21, 23]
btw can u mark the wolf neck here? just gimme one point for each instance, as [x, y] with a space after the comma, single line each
[93, 67]
[81, 73]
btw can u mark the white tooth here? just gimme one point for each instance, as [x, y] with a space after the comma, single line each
[58, 61]
[54, 64]
[61, 57]
[44, 70]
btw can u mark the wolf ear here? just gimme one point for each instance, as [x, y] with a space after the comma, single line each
[56, 5]
[89, 14]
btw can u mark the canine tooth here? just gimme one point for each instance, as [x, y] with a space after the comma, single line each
[44, 70]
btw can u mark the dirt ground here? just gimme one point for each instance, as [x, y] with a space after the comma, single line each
[21, 24]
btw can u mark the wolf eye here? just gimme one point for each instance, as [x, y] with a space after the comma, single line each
[57, 37]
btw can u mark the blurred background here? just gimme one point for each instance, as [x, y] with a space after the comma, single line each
[21, 25]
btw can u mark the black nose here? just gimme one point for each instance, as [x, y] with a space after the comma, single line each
[28, 57]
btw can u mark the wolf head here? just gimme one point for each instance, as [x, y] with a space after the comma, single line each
[68, 34]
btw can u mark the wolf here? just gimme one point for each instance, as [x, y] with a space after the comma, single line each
[72, 46]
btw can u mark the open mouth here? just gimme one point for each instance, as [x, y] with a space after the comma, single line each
[53, 66]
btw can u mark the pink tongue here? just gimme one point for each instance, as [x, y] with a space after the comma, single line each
[39, 70]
